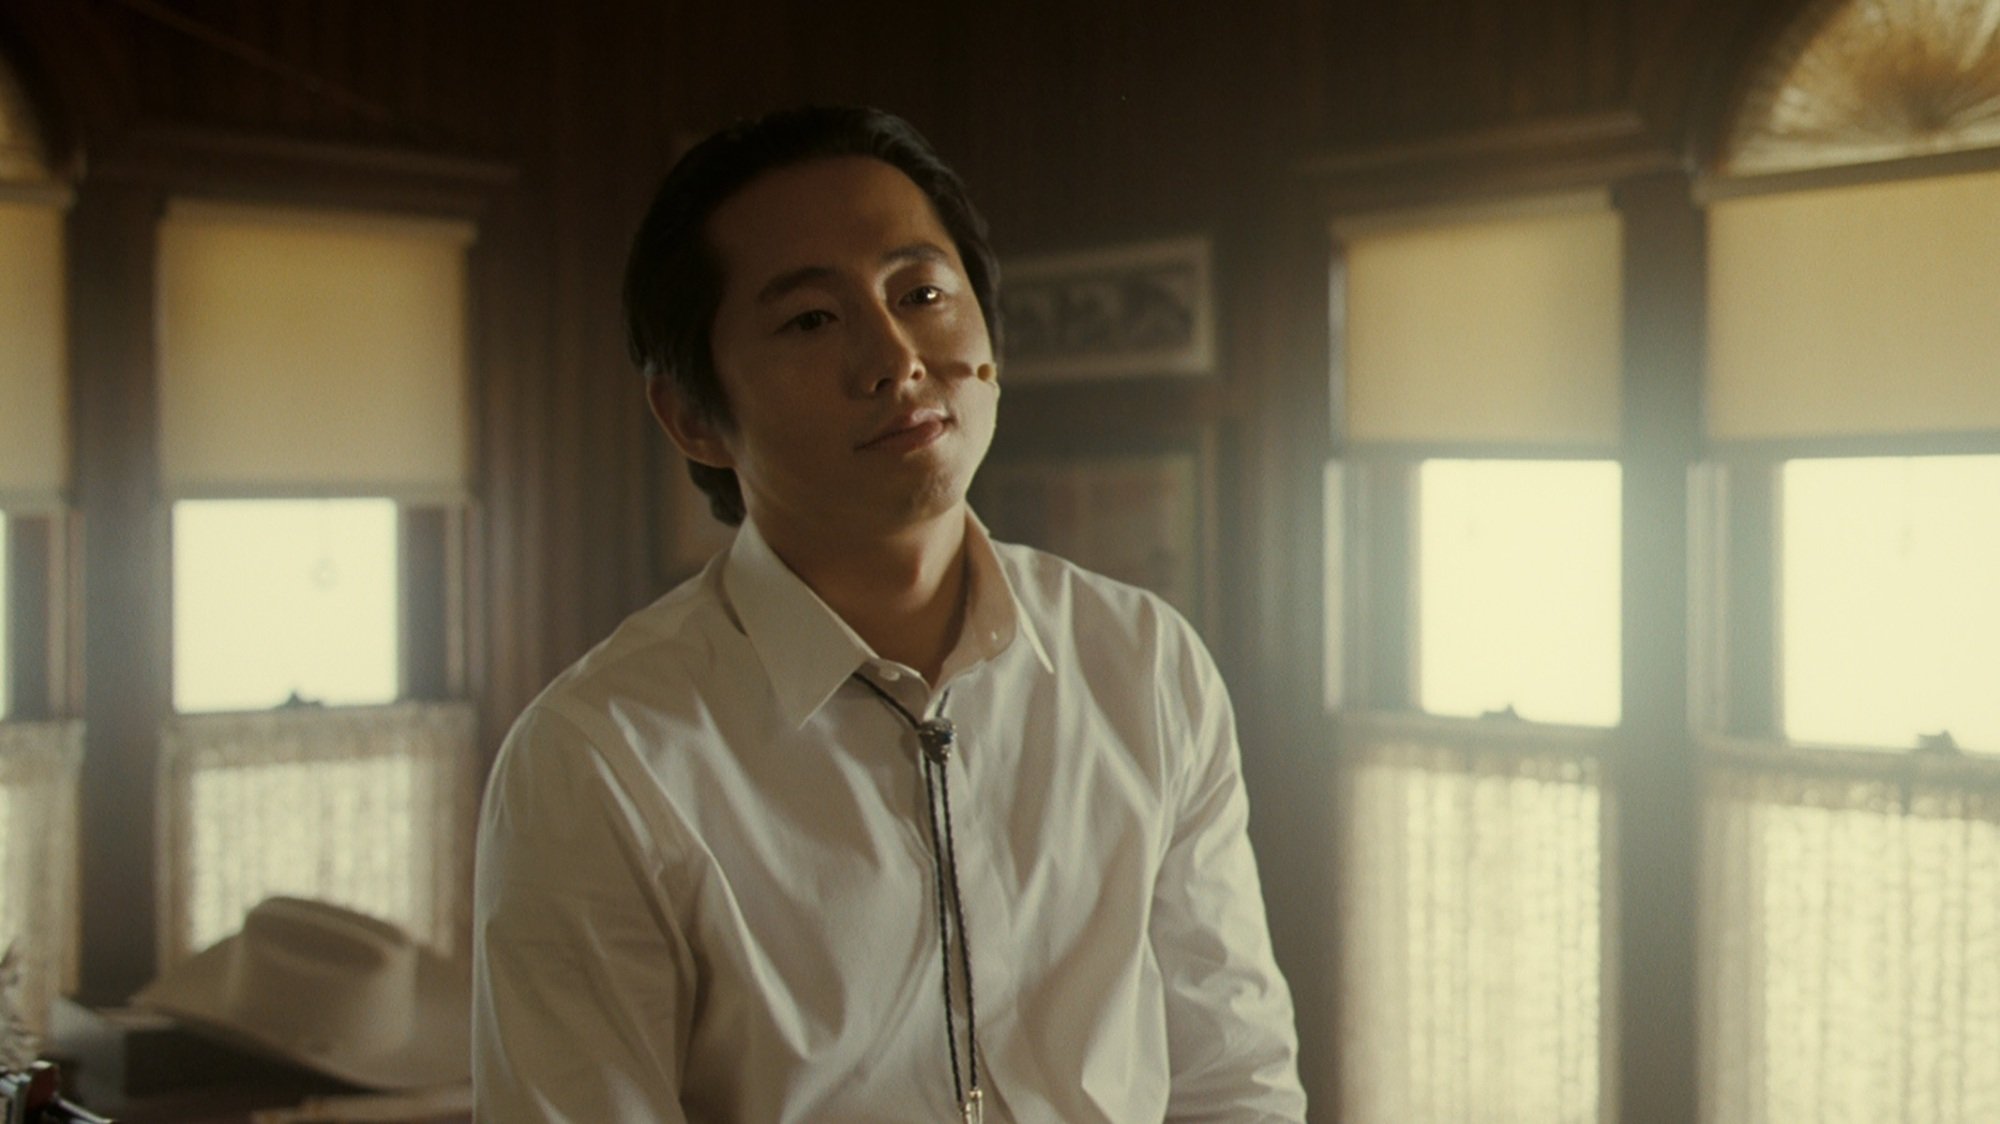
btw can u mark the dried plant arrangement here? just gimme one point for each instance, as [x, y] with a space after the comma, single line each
[18, 1042]
[1860, 81]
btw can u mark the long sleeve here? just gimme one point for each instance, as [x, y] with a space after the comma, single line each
[1230, 1030]
[582, 982]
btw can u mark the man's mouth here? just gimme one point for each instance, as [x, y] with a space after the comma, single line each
[911, 429]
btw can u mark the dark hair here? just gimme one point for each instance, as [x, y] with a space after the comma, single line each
[673, 283]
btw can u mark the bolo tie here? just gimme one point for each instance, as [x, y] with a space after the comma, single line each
[936, 738]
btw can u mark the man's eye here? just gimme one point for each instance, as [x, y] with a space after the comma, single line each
[808, 321]
[924, 294]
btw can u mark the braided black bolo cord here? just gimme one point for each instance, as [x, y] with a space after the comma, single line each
[964, 941]
[940, 849]
[937, 806]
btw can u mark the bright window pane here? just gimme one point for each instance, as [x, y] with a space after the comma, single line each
[1517, 589]
[6, 674]
[273, 597]
[1891, 600]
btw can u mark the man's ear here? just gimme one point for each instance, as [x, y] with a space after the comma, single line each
[693, 434]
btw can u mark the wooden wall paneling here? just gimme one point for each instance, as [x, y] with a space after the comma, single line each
[1453, 66]
[1279, 291]
[345, 70]
[1565, 56]
[600, 459]
[902, 59]
[619, 424]
[1360, 68]
[1097, 123]
[513, 332]
[44, 68]
[518, 372]
[571, 194]
[641, 152]
[649, 141]
[1668, 42]
[722, 61]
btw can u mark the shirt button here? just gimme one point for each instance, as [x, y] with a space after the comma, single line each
[891, 674]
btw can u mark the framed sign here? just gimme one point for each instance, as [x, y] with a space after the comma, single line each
[1141, 310]
[1136, 517]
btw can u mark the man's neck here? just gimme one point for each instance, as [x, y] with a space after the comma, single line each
[903, 593]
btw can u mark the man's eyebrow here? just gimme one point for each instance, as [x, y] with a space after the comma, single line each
[793, 279]
[917, 252]
[777, 287]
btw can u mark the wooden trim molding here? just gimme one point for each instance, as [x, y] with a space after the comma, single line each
[1551, 155]
[213, 162]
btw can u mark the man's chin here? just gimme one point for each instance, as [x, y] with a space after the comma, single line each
[924, 500]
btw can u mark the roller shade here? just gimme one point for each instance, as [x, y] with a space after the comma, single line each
[1500, 329]
[310, 352]
[1870, 309]
[34, 416]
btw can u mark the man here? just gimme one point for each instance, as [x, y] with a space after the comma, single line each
[875, 819]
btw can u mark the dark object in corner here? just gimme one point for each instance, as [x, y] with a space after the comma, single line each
[127, 1062]
[31, 1097]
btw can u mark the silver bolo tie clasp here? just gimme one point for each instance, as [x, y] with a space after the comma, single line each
[937, 736]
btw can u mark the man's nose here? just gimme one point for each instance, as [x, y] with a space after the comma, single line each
[887, 355]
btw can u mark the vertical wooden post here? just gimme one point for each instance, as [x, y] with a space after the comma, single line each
[1656, 826]
[112, 240]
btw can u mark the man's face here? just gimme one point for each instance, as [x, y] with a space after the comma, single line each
[851, 349]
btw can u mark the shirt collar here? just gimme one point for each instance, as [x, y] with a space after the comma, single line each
[993, 617]
[808, 651]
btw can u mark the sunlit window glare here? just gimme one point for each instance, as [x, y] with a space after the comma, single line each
[273, 597]
[1517, 589]
[1891, 600]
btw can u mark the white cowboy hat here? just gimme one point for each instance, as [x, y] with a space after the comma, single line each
[336, 991]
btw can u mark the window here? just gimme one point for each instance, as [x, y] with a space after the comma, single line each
[280, 601]
[34, 414]
[1477, 650]
[1890, 612]
[1850, 902]
[1517, 590]
[40, 743]
[318, 746]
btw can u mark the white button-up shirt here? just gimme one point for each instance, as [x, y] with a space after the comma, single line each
[705, 883]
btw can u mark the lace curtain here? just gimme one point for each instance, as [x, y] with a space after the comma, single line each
[39, 766]
[1472, 899]
[1852, 938]
[369, 807]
